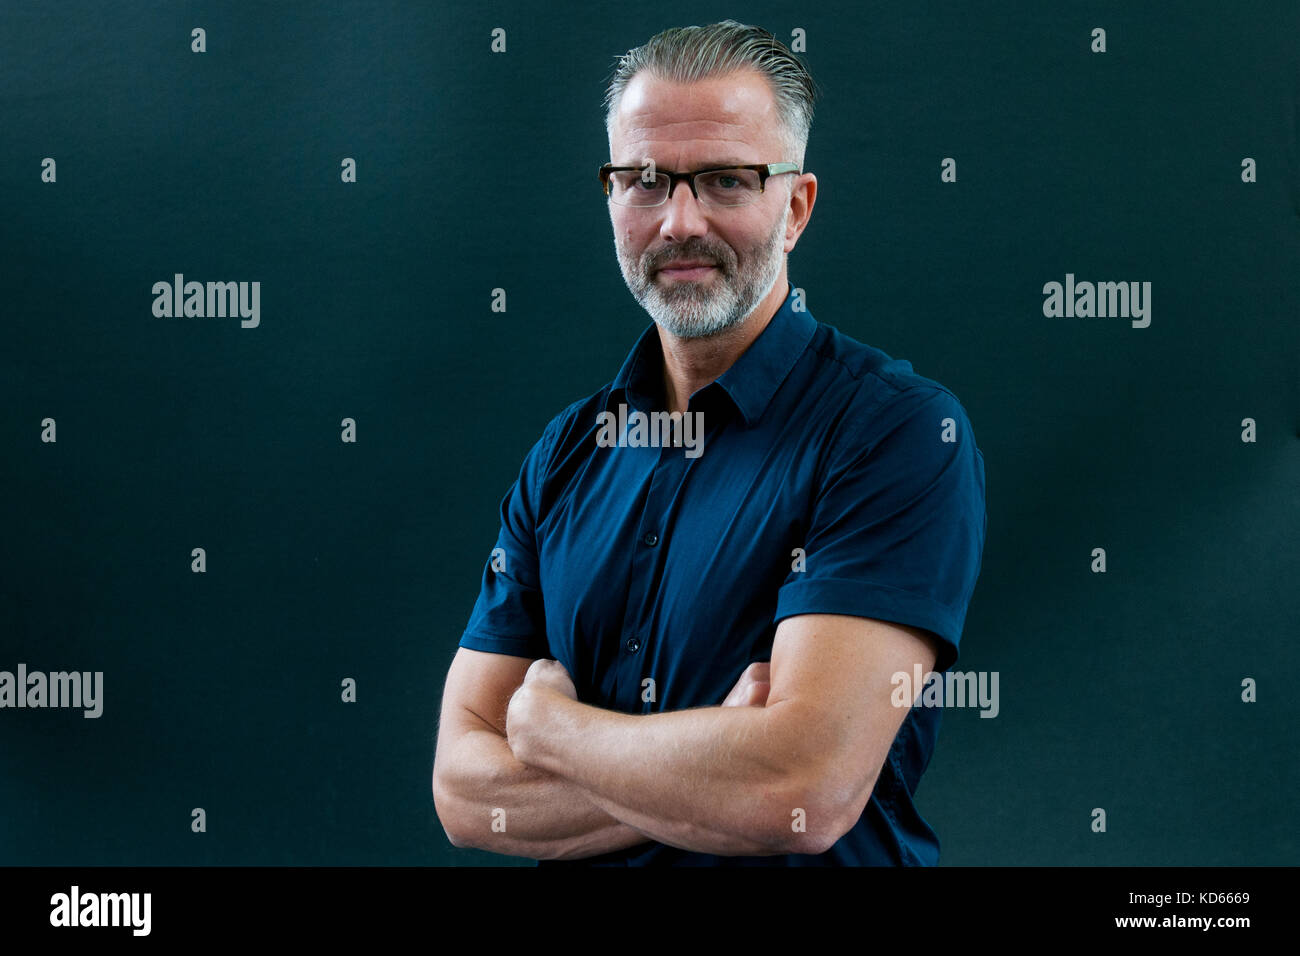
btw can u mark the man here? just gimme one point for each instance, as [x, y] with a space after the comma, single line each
[684, 651]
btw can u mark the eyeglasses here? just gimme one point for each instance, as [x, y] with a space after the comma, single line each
[719, 186]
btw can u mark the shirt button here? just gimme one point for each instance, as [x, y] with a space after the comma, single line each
[633, 645]
[651, 538]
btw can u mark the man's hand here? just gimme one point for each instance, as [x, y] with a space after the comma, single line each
[552, 675]
[544, 683]
[752, 688]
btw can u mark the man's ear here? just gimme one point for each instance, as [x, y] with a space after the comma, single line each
[803, 196]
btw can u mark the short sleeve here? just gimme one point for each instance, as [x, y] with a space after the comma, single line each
[508, 617]
[897, 529]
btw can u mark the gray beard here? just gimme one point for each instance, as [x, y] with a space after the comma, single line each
[694, 312]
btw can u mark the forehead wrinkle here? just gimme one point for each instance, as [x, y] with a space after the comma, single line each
[738, 101]
[723, 146]
[671, 129]
[701, 121]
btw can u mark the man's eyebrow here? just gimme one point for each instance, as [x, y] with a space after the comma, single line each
[725, 162]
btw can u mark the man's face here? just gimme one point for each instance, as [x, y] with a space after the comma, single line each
[683, 127]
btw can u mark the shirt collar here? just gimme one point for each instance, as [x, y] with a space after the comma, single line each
[750, 382]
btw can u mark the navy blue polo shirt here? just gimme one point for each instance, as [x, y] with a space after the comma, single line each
[827, 478]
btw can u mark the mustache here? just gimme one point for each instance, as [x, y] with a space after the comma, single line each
[660, 261]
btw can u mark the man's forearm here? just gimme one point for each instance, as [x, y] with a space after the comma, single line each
[725, 780]
[487, 799]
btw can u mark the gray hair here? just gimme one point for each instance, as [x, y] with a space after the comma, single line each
[689, 54]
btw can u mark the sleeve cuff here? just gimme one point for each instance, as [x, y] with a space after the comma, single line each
[493, 644]
[879, 602]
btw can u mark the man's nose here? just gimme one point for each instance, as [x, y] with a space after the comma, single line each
[683, 216]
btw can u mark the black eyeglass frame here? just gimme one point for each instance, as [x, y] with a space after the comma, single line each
[764, 170]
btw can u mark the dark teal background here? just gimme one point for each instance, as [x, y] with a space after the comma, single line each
[477, 171]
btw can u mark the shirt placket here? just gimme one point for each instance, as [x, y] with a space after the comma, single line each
[648, 556]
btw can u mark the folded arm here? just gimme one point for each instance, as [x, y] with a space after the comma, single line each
[488, 800]
[789, 777]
